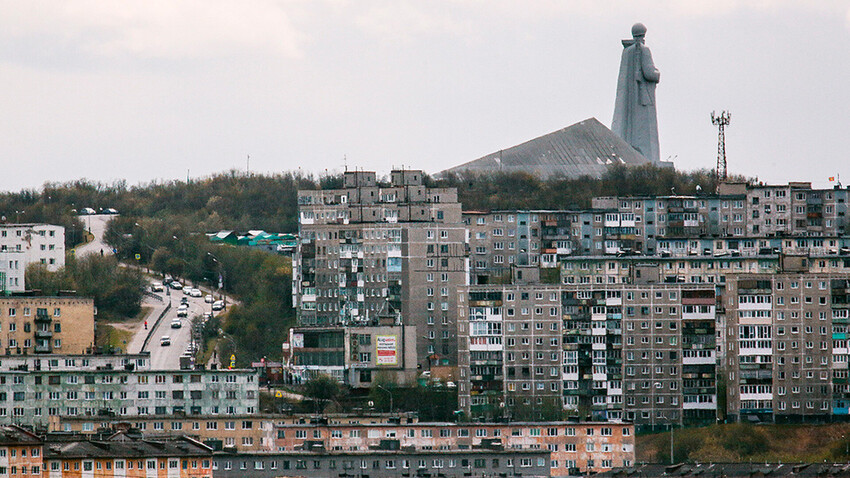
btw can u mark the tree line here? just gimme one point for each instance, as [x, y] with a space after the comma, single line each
[117, 291]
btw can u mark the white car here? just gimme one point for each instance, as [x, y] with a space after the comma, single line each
[157, 287]
[218, 305]
[176, 285]
[187, 291]
[196, 293]
[209, 299]
[176, 323]
[165, 340]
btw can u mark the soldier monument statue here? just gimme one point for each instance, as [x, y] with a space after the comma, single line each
[635, 119]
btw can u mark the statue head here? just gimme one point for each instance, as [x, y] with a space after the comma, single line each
[638, 30]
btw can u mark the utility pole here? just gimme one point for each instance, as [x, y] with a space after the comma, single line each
[721, 122]
[671, 443]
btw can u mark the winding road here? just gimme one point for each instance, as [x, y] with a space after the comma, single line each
[162, 357]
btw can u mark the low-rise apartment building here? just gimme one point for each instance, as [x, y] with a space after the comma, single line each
[46, 325]
[574, 446]
[31, 395]
[385, 463]
[126, 454]
[241, 433]
[40, 243]
[21, 452]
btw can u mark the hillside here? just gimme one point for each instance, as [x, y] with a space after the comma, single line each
[748, 443]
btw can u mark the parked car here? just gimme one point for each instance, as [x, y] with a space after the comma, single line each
[165, 340]
[176, 285]
[184, 300]
[209, 299]
[187, 291]
[182, 312]
[196, 293]
[157, 287]
[218, 305]
[176, 323]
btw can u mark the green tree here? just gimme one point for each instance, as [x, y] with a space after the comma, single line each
[322, 389]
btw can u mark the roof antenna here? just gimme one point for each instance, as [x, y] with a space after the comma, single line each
[345, 162]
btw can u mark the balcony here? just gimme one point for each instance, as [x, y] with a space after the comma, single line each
[42, 318]
[43, 334]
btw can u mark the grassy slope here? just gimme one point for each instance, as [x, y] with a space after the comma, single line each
[749, 443]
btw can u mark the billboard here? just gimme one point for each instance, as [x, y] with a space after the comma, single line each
[386, 348]
[297, 341]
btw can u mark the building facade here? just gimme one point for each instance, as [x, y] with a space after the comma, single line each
[126, 454]
[368, 251]
[12, 272]
[574, 447]
[355, 355]
[240, 433]
[642, 353]
[40, 243]
[21, 451]
[36, 388]
[385, 463]
[46, 325]
[786, 356]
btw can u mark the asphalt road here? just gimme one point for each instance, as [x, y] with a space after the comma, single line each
[162, 357]
[168, 357]
[96, 224]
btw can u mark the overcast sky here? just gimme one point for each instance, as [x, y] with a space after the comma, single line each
[147, 90]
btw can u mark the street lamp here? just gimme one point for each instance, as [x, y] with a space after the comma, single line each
[223, 277]
[390, 394]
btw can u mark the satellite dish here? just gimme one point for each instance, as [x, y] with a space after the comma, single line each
[371, 403]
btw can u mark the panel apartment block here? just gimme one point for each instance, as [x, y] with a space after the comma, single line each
[34, 391]
[643, 353]
[368, 252]
[786, 347]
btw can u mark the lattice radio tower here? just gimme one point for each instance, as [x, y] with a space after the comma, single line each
[721, 121]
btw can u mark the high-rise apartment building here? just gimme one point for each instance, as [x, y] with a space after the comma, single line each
[786, 355]
[370, 251]
[643, 353]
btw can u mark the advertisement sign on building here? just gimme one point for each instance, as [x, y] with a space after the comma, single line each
[386, 350]
[298, 341]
